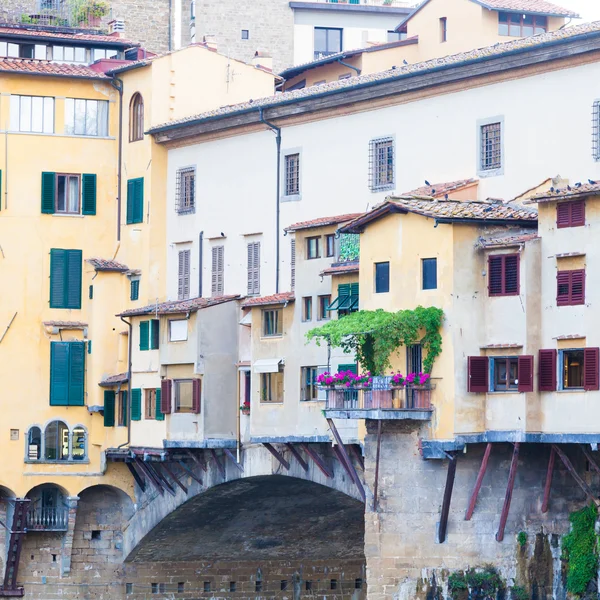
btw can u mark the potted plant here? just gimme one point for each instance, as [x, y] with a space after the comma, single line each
[419, 382]
[245, 408]
[398, 387]
[92, 11]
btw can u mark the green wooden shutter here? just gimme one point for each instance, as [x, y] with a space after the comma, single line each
[73, 279]
[59, 373]
[139, 201]
[58, 273]
[159, 414]
[144, 335]
[48, 191]
[350, 367]
[154, 334]
[88, 194]
[134, 289]
[136, 404]
[344, 289]
[130, 196]
[354, 289]
[109, 408]
[124, 397]
[76, 373]
[89, 343]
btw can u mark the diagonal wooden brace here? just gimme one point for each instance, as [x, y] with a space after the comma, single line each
[174, 477]
[233, 459]
[317, 460]
[218, 463]
[478, 482]
[190, 472]
[139, 479]
[153, 478]
[297, 456]
[354, 474]
[509, 490]
[278, 456]
[582, 484]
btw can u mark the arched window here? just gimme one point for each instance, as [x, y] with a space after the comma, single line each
[78, 443]
[56, 441]
[34, 443]
[136, 118]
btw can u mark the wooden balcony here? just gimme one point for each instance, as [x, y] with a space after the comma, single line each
[47, 519]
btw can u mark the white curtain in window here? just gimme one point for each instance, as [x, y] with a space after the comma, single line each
[102, 118]
[91, 117]
[79, 117]
[73, 195]
[25, 114]
[37, 114]
[48, 115]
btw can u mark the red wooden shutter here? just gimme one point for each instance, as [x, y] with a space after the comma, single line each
[495, 264]
[577, 287]
[196, 395]
[563, 215]
[165, 396]
[525, 373]
[563, 288]
[511, 274]
[547, 371]
[577, 213]
[478, 374]
[591, 379]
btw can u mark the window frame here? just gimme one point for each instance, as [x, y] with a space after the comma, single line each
[134, 289]
[566, 215]
[324, 300]
[307, 309]
[306, 384]
[291, 180]
[503, 278]
[317, 240]
[561, 370]
[521, 24]
[176, 396]
[571, 298]
[268, 383]
[278, 323]
[425, 261]
[253, 250]
[183, 339]
[330, 245]
[327, 51]
[16, 119]
[122, 416]
[184, 271]
[492, 169]
[136, 118]
[596, 130]
[385, 265]
[509, 360]
[443, 29]
[245, 34]
[382, 171]
[102, 117]
[150, 404]
[185, 191]
[79, 203]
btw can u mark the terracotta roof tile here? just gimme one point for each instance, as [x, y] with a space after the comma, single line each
[114, 380]
[66, 324]
[439, 190]
[177, 306]
[322, 222]
[539, 7]
[62, 35]
[500, 346]
[570, 336]
[579, 190]
[102, 264]
[46, 67]
[282, 298]
[406, 71]
[511, 240]
[341, 269]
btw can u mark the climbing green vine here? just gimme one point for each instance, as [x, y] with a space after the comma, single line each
[374, 335]
[481, 584]
[580, 550]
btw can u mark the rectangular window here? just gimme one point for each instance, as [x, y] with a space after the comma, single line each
[272, 322]
[292, 174]
[443, 29]
[150, 405]
[327, 41]
[184, 395]
[491, 147]
[134, 292]
[254, 269]
[520, 25]
[324, 302]
[503, 275]
[572, 369]
[67, 373]
[570, 287]
[149, 334]
[33, 114]
[382, 277]
[381, 164]
[504, 374]
[245, 34]
[313, 247]
[271, 387]
[570, 214]
[65, 278]
[217, 285]
[429, 270]
[183, 275]
[135, 201]
[309, 388]
[307, 308]
[185, 193]
[67, 194]
[178, 330]
[393, 36]
[330, 245]
[122, 412]
[86, 117]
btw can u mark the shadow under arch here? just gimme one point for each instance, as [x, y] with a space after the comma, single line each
[37, 489]
[109, 502]
[6, 493]
[272, 517]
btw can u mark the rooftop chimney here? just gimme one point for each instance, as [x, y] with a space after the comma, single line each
[116, 27]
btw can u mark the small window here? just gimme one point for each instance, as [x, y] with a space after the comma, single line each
[394, 36]
[382, 277]
[33, 114]
[129, 588]
[86, 117]
[284, 585]
[207, 586]
[185, 193]
[178, 330]
[258, 586]
[122, 410]
[443, 29]
[570, 214]
[67, 194]
[491, 147]
[184, 396]
[505, 374]
[34, 443]
[292, 174]
[271, 387]
[429, 268]
[245, 34]
[135, 201]
[307, 308]
[313, 247]
[154, 588]
[503, 275]
[330, 245]
[327, 41]
[181, 587]
[272, 322]
[358, 583]
[293, 264]
[344, 76]
[149, 334]
[96, 534]
[308, 585]
[570, 287]
[78, 443]
[572, 368]
[309, 389]
[150, 410]
[333, 584]
[381, 164]
[520, 25]
[232, 586]
[56, 441]
[324, 302]
[136, 118]
[217, 282]
[134, 292]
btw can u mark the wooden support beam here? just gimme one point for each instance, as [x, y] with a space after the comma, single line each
[190, 472]
[174, 477]
[317, 460]
[509, 490]
[139, 479]
[156, 468]
[297, 456]
[199, 462]
[377, 455]
[478, 482]
[549, 474]
[153, 478]
[340, 457]
[446, 501]
[233, 458]
[218, 463]
[354, 474]
[590, 458]
[582, 484]
[355, 449]
[278, 456]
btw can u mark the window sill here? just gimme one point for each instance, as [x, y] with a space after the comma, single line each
[57, 462]
[269, 402]
[292, 198]
[66, 135]
[490, 172]
[573, 390]
[183, 213]
[272, 337]
[63, 215]
[505, 392]
[382, 188]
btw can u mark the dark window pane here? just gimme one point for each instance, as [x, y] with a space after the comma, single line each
[503, 17]
[430, 273]
[382, 277]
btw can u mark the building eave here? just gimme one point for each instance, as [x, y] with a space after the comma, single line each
[566, 14]
[350, 8]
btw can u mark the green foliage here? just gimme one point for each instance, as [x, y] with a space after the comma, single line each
[483, 583]
[580, 550]
[519, 593]
[522, 538]
[457, 582]
[374, 335]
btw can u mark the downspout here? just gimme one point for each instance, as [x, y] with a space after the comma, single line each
[349, 66]
[119, 87]
[129, 347]
[277, 131]
[238, 424]
[200, 260]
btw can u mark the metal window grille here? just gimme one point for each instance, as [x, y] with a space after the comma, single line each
[596, 130]
[292, 174]
[185, 192]
[381, 164]
[491, 146]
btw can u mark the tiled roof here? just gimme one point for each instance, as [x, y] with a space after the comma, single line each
[177, 306]
[511, 240]
[66, 324]
[61, 35]
[322, 222]
[341, 269]
[538, 7]
[439, 190]
[102, 264]
[402, 72]
[114, 380]
[500, 346]
[46, 67]
[282, 298]
[571, 192]
[570, 336]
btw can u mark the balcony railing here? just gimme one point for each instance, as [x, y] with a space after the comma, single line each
[47, 519]
[385, 397]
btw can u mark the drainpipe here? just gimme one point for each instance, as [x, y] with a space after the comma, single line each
[200, 260]
[349, 66]
[118, 85]
[130, 345]
[277, 131]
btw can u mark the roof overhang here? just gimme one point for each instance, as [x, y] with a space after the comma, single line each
[267, 365]
[350, 8]
[566, 14]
